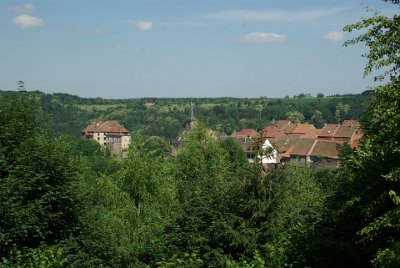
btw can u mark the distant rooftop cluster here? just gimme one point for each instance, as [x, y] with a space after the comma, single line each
[301, 143]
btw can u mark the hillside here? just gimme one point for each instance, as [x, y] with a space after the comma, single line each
[68, 114]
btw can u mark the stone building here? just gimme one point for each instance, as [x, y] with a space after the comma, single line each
[109, 134]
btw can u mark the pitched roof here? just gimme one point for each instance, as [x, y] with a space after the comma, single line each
[329, 130]
[288, 152]
[326, 149]
[245, 133]
[345, 131]
[351, 123]
[305, 129]
[283, 143]
[272, 132]
[111, 126]
[282, 124]
[303, 146]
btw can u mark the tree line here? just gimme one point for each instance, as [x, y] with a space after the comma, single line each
[64, 203]
[67, 114]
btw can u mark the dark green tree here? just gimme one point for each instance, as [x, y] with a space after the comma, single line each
[37, 200]
[363, 217]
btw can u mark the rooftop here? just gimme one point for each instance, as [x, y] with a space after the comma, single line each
[111, 126]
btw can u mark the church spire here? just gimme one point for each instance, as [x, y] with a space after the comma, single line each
[191, 114]
[191, 121]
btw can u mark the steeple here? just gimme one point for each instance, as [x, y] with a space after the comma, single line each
[191, 121]
[191, 114]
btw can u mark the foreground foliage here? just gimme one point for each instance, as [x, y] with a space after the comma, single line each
[67, 203]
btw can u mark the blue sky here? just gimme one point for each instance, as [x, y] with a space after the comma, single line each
[198, 48]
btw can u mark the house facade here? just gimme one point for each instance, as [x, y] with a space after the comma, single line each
[109, 134]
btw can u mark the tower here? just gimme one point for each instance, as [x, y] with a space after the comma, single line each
[191, 120]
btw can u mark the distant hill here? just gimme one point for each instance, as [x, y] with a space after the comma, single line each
[69, 114]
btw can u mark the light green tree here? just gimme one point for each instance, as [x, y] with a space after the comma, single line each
[296, 117]
[368, 216]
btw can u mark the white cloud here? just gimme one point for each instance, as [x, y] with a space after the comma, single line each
[258, 37]
[26, 21]
[27, 8]
[144, 26]
[274, 15]
[334, 36]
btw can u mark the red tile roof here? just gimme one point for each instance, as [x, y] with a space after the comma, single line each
[326, 149]
[283, 143]
[288, 152]
[112, 126]
[303, 146]
[329, 130]
[282, 124]
[245, 133]
[272, 132]
[351, 123]
[345, 132]
[305, 129]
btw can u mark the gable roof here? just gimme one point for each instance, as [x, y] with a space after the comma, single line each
[303, 146]
[282, 124]
[329, 130]
[245, 133]
[351, 123]
[272, 132]
[304, 129]
[345, 132]
[111, 126]
[283, 143]
[326, 149]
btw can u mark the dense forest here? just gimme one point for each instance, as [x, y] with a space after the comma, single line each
[68, 115]
[65, 203]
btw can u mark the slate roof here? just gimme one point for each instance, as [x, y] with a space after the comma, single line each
[111, 126]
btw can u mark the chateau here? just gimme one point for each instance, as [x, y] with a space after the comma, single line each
[109, 134]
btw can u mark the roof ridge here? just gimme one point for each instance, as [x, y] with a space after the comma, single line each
[312, 147]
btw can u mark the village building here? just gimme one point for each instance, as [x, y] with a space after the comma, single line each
[109, 134]
[149, 104]
[299, 143]
[190, 124]
[245, 134]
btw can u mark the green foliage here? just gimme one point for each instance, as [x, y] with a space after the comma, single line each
[293, 208]
[296, 117]
[257, 262]
[382, 36]
[208, 190]
[66, 203]
[36, 258]
[362, 215]
[37, 201]
[187, 261]
[68, 115]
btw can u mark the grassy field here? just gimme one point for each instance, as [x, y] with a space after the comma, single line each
[99, 107]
